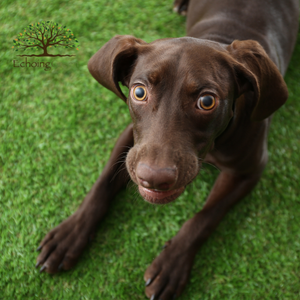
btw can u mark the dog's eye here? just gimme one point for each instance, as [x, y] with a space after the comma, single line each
[206, 102]
[139, 93]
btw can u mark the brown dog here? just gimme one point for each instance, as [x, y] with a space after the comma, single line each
[208, 97]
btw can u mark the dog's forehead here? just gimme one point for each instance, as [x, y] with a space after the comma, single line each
[188, 60]
[185, 53]
[186, 48]
[189, 42]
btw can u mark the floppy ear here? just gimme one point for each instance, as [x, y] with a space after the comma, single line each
[255, 71]
[114, 62]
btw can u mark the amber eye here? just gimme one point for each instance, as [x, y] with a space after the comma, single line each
[206, 102]
[139, 93]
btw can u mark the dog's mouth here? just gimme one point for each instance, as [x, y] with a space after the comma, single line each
[160, 197]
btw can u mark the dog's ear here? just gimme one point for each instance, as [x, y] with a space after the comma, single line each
[114, 62]
[255, 71]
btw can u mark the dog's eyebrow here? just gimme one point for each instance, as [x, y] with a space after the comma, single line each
[191, 87]
[154, 77]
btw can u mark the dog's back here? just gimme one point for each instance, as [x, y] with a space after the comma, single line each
[274, 24]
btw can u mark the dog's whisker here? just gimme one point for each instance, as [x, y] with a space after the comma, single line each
[118, 172]
[208, 163]
[122, 160]
[205, 162]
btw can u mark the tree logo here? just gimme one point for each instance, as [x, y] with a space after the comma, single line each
[44, 36]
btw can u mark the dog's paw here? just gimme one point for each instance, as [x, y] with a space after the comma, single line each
[62, 246]
[168, 274]
[180, 7]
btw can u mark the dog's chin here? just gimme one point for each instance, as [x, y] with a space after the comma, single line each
[160, 197]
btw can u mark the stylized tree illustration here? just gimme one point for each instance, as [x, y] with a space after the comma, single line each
[44, 35]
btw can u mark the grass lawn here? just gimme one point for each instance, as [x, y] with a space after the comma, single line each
[57, 129]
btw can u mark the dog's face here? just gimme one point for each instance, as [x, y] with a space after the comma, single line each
[179, 101]
[181, 97]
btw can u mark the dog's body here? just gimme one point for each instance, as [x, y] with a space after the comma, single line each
[206, 97]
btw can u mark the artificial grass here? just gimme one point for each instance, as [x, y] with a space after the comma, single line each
[57, 129]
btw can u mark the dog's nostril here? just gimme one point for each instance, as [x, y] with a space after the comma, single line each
[164, 186]
[148, 185]
[145, 183]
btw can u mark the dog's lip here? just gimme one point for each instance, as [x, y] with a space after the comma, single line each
[160, 197]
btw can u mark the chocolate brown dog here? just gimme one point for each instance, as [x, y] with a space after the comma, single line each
[208, 97]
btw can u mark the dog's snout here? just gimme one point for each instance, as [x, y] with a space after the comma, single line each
[155, 177]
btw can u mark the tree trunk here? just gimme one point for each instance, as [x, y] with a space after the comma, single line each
[45, 52]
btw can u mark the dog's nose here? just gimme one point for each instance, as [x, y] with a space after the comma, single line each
[156, 178]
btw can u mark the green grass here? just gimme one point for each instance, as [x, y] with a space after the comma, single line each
[57, 129]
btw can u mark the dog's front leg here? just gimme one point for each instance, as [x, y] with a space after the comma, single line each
[62, 246]
[168, 273]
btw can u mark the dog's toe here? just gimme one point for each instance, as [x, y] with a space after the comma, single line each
[168, 274]
[62, 246]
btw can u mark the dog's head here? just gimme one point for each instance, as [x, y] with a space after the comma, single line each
[181, 97]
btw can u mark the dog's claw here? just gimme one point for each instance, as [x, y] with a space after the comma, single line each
[148, 282]
[183, 9]
[152, 297]
[60, 267]
[166, 244]
[42, 269]
[37, 264]
[39, 248]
